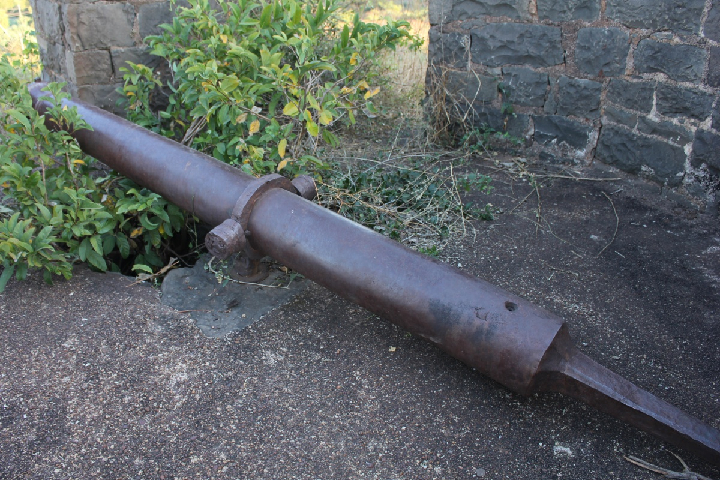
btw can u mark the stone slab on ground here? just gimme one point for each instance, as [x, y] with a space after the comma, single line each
[98, 379]
[219, 310]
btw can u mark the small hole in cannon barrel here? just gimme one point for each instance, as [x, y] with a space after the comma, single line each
[510, 306]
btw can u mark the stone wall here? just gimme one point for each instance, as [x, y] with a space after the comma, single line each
[631, 83]
[86, 42]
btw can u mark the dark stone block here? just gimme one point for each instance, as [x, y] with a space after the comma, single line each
[712, 24]
[568, 10]
[449, 49]
[98, 25]
[103, 96]
[90, 67]
[53, 57]
[667, 130]
[713, 76]
[487, 118]
[680, 17]
[706, 149]
[602, 52]
[633, 95]
[500, 44]
[547, 157]
[618, 115]
[439, 11]
[525, 86]
[556, 130]
[716, 117]
[674, 101]
[469, 9]
[47, 19]
[579, 97]
[631, 152]
[471, 87]
[683, 63]
[550, 107]
[151, 15]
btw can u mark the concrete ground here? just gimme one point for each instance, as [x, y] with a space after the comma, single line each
[98, 379]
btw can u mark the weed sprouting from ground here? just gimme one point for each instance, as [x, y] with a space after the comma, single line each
[418, 202]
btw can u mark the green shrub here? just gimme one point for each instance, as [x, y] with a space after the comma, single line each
[56, 207]
[261, 84]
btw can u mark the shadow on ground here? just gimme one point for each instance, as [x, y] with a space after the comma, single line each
[98, 379]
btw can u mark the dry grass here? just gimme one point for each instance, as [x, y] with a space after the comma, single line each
[13, 28]
[404, 69]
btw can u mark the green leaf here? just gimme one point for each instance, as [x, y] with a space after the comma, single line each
[143, 268]
[273, 104]
[312, 128]
[44, 211]
[155, 238]
[41, 240]
[265, 16]
[6, 274]
[19, 117]
[145, 222]
[123, 245]
[21, 270]
[152, 258]
[83, 249]
[297, 16]
[291, 109]
[325, 117]
[229, 84]
[313, 103]
[95, 242]
[109, 242]
[345, 36]
[96, 260]
[320, 13]
[329, 137]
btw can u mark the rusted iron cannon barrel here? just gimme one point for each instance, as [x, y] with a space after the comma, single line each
[500, 334]
[514, 342]
[180, 174]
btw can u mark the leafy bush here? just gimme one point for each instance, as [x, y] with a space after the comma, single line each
[56, 207]
[261, 85]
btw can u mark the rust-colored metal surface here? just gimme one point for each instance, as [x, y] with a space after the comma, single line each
[179, 173]
[516, 343]
[229, 237]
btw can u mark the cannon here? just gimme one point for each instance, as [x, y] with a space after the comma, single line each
[520, 345]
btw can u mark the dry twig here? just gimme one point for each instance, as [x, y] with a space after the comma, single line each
[686, 474]
[195, 127]
[222, 277]
[144, 277]
[617, 223]
[521, 201]
[586, 179]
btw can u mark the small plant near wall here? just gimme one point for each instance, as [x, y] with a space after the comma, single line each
[56, 207]
[262, 85]
[418, 203]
